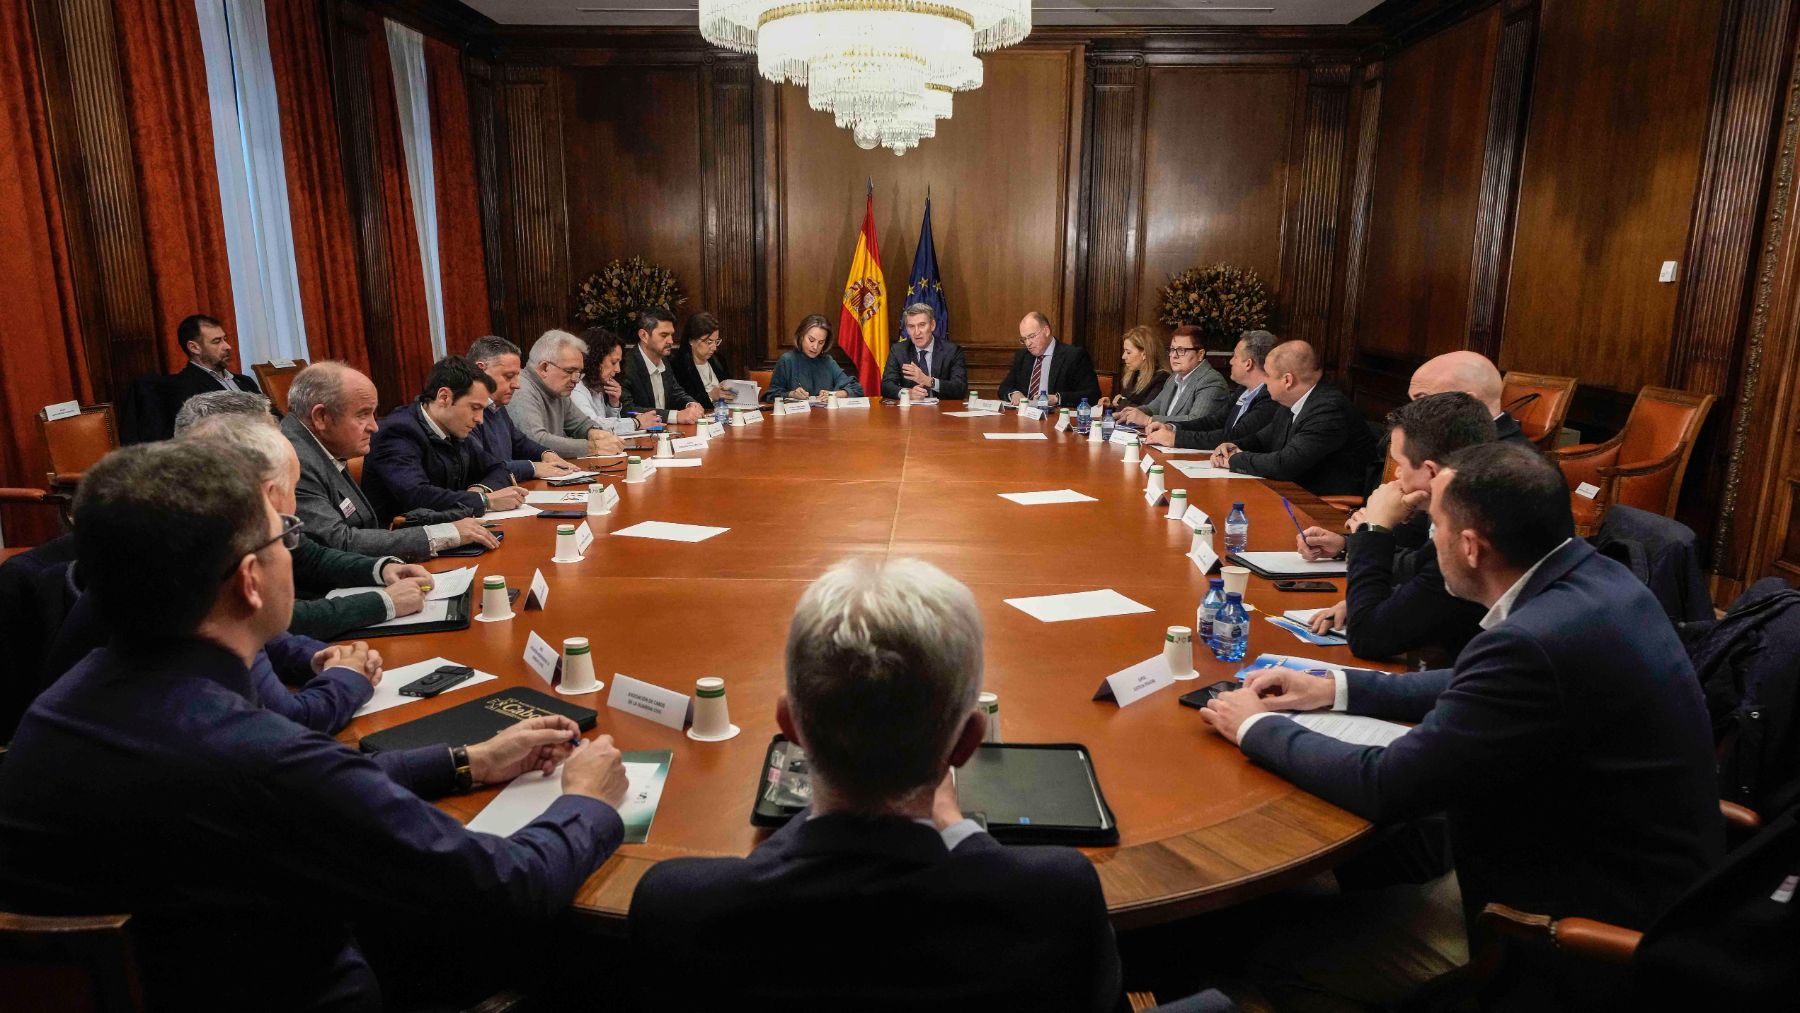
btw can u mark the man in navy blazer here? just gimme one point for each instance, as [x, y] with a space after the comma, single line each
[1569, 747]
[1320, 442]
[926, 364]
[495, 434]
[421, 457]
[880, 896]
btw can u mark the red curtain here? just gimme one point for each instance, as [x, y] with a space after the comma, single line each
[172, 145]
[412, 325]
[42, 360]
[318, 198]
[460, 249]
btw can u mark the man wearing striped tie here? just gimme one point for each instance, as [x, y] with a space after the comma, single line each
[1047, 366]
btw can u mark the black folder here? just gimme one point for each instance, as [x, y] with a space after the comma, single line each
[461, 613]
[477, 721]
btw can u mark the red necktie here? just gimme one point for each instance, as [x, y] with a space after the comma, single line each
[1037, 375]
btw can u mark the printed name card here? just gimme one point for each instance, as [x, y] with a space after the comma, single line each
[687, 443]
[62, 410]
[713, 429]
[538, 594]
[1146, 464]
[584, 537]
[1156, 497]
[541, 658]
[1062, 422]
[663, 706]
[282, 363]
[852, 402]
[977, 404]
[609, 498]
[1123, 437]
[1137, 682]
[1031, 412]
[1204, 557]
[1587, 490]
[1194, 517]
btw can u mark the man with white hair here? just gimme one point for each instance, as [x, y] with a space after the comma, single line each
[543, 410]
[883, 671]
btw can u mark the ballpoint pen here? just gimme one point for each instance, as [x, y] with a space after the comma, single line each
[1289, 507]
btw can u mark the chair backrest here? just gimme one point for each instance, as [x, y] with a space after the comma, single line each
[354, 466]
[68, 964]
[761, 377]
[78, 442]
[275, 380]
[1662, 422]
[1539, 402]
[1106, 384]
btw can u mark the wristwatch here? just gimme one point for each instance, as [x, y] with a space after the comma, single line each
[1374, 529]
[459, 758]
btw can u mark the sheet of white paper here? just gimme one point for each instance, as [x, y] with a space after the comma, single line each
[679, 462]
[1203, 469]
[1057, 608]
[555, 497]
[969, 415]
[670, 532]
[1305, 617]
[1353, 728]
[340, 592]
[433, 612]
[526, 798]
[1047, 496]
[1290, 563]
[1179, 450]
[387, 694]
[574, 475]
[603, 457]
[451, 583]
[1016, 436]
[524, 511]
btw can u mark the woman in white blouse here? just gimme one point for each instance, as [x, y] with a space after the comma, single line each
[597, 394]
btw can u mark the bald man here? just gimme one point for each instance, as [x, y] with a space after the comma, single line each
[1047, 366]
[1472, 374]
[1320, 442]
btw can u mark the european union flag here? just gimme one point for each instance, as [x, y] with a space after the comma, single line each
[924, 285]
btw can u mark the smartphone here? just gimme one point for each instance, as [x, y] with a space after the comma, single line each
[435, 682]
[563, 514]
[1199, 698]
[1305, 585]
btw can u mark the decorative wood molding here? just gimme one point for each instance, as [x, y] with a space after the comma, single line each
[1509, 103]
[1753, 51]
[85, 103]
[729, 193]
[1309, 261]
[478, 75]
[1362, 189]
[1111, 246]
[535, 237]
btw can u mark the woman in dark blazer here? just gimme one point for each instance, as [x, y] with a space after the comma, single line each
[699, 362]
[1141, 377]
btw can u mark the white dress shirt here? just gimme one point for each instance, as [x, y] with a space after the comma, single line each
[656, 379]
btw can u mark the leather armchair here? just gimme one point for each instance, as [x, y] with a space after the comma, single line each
[1641, 467]
[77, 443]
[1540, 403]
[275, 381]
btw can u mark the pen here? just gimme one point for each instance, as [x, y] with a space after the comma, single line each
[1285, 505]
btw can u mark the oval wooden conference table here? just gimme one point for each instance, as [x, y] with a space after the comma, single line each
[1200, 826]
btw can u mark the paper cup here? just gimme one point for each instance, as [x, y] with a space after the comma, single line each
[663, 447]
[712, 719]
[990, 706]
[596, 505]
[1154, 483]
[495, 606]
[1178, 651]
[1132, 454]
[577, 667]
[906, 399]
[1237, 579]
[634, 469]
[1177, 504]
[1094, 435]
[565, 544]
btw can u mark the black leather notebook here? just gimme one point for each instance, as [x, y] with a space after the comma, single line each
[476, 721]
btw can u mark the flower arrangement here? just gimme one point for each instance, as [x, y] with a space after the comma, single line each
[1223, 301]
[612, 296]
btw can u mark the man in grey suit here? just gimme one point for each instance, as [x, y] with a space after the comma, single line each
[331, 415]
[1194, 390]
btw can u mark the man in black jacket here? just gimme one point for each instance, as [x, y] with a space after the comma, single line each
[1320, 442]
[209, 361]
[925, 363]
[1249, 412]
[421, 458]
[646, 382]
[1045, 365]
[1474, 375]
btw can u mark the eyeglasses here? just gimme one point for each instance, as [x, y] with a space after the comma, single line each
[291, 527]
[1175, 350]
[713, 340]
[575, 371]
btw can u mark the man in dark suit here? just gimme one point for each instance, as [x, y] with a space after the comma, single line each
[927, 365]
[1569, 747]
[647, 384]
[1320, 442]
[422, 458]
[1248, 413]
[884, 897]
[1047, 366]
[495, 434]
[209, 361]
[1474, 375]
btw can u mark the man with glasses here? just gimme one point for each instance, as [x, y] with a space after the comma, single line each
[256, 843]
[545, 412]
[1195, 389]
[495, 433]
[647, 384]
[1234, 420]
[1046, 366]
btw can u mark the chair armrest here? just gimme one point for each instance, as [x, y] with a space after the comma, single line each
[1739, 817]
[1344, 503]
[11, 494]
[1581, 450]
[1584, 937]
[1640, 468]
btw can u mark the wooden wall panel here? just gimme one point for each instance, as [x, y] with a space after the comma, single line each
[536, 230]
[1000, 172]
[1220, 155]
[1415, 286]
[1612, 156]
[1310, 242]
[1113, 194]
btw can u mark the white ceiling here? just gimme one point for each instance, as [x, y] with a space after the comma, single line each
[1133, 13]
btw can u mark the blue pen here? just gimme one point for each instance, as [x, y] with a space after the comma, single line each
[1289, 507]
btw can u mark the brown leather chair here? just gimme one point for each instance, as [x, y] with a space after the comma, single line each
[1349, 504]
[1643, 465]
[761, 377]
[354, 466]
[68, 964]
[77, 443]
[1106, 384]
[10, 496]
[275, 381]
[1540, 403]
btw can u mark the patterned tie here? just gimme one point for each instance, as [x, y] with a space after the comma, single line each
[925, 362]
[1037, 375]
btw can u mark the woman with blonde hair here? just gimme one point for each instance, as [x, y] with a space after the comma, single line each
[1141, 376]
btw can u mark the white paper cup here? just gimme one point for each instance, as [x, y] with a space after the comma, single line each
[565, 542]
[906, 399]
[577, 667]
[1177, 504]
[712, 718]
[1154, 483]
[1094, 432]
[663, 447]
[634, 469]
[1132, 454]
[495, 606]
[596, 505]
[990, 706]
[704, 430]
[1237, 579]
[1178, 651]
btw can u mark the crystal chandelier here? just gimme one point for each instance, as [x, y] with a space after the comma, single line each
[884, 69]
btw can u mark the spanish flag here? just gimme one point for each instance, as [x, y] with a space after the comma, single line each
[863, 321]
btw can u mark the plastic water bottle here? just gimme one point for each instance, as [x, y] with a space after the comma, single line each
[1209, 611]
[721, 412]
[1043, 401]
[1231, 629]
[1106, 424]
[1237, 529]
[1084, 417]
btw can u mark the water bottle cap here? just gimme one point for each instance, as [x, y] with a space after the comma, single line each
[1237, 506]
[1232, 597]
[1218, 583]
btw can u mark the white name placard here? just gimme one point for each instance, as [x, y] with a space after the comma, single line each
[852, 402]
[663, 706]
[609, 498]
[1156, 497]
[584, 537]
[1062, 422]
[1031, 412]
[977, 404]
[1194, 517]
[1587, 490]
[538, 595]
[541, 658]
[1205, 558]
[1146, 464]
[61, 410]
[1137, 682]
[714, 429]
[1123, 437]
[687, 443]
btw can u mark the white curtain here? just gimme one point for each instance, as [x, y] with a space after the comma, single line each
[259, 231]
[406, 52]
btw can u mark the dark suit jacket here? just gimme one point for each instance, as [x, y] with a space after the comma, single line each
[496, 436]
[634, 382]
[1210, 431]
[877, 915]
[1398, 603]
[681, 366]
[1071, 375]
[335, 510]
[410, 468]
[1326, 449]
[1569, 747]
[319, 568]
[947, 367]
[1507, 430]
[193, 380]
